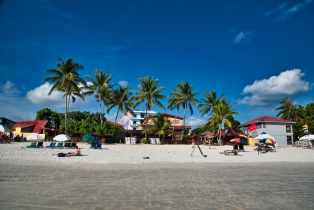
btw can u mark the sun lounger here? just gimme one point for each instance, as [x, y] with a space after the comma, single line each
[231, 152]
[157, 140]
[98, 144]
[73, 145]
[59, 145]
[67, 144]
[93, 145]
[152, 140]
[33, 145]
[39, 145]
[52, 145]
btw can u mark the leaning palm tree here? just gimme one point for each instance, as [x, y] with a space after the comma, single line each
[288, 110]
[148, 93]
[100, 87]
[222, 114]
[66, 79]
[184, 96]
[159, 125]
[121, 98]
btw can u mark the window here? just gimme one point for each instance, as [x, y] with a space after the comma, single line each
[288, 128]
[289, 140]
[134, 115]
[134, 122]
[141, 121]
[258, 125]
[264, 125]
[175, 122]
[142, 115]
[134, 129]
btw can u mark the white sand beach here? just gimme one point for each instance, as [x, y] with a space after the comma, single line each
[134, 154]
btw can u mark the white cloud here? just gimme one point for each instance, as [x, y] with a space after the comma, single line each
[8, 89]
[123, 83]
[193, 121]
[285, 13]
[267, 92]
[242, 36]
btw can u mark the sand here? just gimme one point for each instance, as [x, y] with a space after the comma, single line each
[117, 177]
[134, 154]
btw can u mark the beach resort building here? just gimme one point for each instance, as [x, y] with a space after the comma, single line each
[279, 128]
[177, 125]
[133, 121]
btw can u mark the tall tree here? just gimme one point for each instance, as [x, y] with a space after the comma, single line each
[150, 94]
[209, 101]
[66, 79]
[122, 99]
[222, 114]
[174, 104]
[100, 87]
[288, 110]
[159, 125]
[184, 96]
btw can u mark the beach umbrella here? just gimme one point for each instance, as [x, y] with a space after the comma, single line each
[62, 137]
[267, 141]
[4, 129]
[307, 137]
[209, 136]
[35, 137]
[264, 135]
[238, 141]
[89, 137]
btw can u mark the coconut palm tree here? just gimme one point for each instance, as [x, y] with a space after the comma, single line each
[66, 79]
[159, 125]
[184, 96]
[149, 93]
[100, 87]
[173, 104]
[209, 102]
[288, 110]
[222, 114]
[121, 98]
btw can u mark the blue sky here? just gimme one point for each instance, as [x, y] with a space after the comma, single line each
[256, 52]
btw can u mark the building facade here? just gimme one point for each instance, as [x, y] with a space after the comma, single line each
[133, 121]
[280, 129]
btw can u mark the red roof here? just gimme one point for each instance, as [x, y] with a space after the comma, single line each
[235, 132]
[38, 125]
[117, 124]
[267, 119]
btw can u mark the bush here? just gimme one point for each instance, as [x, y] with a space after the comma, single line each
[143, 141]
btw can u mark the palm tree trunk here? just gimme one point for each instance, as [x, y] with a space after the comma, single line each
[65, 115]
[184, 120]
[115, 120]
[174, 123]
[146, 124]
[100, 109]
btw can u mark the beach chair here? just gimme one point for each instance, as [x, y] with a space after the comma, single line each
[33, 145]
[39, 145]
[52, 145]
[73, 145]
[98, 145]
[67, 144]
[152, 140]
[157, 140]
[59, 145]
[93, 145]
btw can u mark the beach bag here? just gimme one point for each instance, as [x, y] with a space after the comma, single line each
[61, 155]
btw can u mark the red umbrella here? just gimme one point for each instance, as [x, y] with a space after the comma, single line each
[208, 136]
[238, 141]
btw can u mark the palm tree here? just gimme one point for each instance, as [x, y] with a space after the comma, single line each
[150, 94]
[222, 114]
[100, 87]
[173, 104]
[121, 98]
[159, 125]
[209, 103]
[288, 110]
[184, 96]
[66, 79]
